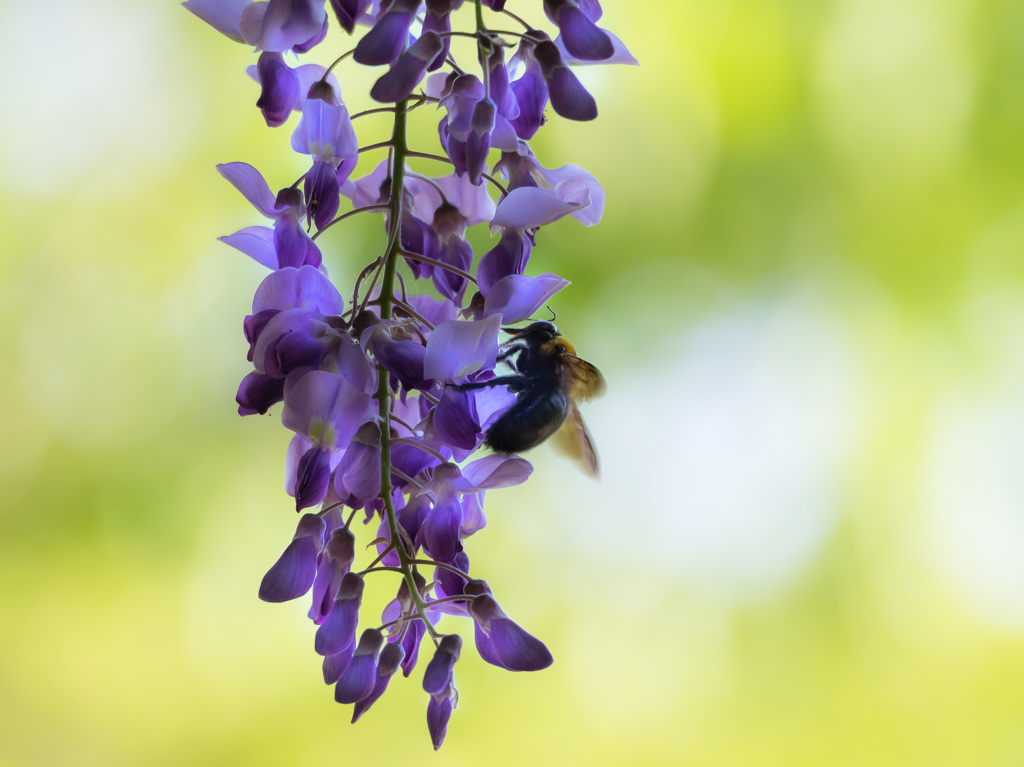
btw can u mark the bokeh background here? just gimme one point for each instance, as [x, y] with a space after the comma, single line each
[807, 295]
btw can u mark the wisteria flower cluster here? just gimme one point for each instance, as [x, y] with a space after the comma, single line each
[382, 390]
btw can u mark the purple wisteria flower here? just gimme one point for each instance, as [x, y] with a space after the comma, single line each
[390, 386]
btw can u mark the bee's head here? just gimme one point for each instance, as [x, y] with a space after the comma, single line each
[534, 333]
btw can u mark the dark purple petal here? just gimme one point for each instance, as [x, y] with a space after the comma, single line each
[311, 478]
[453, 583]
[439, 671]
[411, 645]
[321, 190]
[412, 515]
[292, 575]
[359, 470]
[334, 565]
[517, 649]
[384, 42]
[404, 360]
[500, 640]
[621, 53]
[410, 460]
[417, 237]
[454, 422]
[399, 81]
[484, 646]
[499, 84]
[313, 41]
[509, 256]
[458, 253]
[338, 630]
[279, 88]
[293, 246]
[349, 12]
[391, 658]
[334, 665]
[258, 393]
[291, 340]
[358, 679]
[583, 39]
[439, 533]
[438, 23]
[568, 96]
[478, 142]
[531, 93]
[439, 711]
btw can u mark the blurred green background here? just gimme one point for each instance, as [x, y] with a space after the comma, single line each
[807, 294]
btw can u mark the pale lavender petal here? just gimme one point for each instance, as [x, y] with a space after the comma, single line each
[252, 22]
[577, 186]
[491, 472]
[250, 182]
[257, 242]
[223, 15]
[473, 516]
[472, 200]
[455, 349]
[290, 22]
[325, 131]
[304, 288]
[326, 408]
[529, 207]
[518, 296]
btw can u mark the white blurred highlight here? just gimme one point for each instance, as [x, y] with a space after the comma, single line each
[722, 454]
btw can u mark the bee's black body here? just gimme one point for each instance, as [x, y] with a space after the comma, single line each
[539, 410]
[547, 376]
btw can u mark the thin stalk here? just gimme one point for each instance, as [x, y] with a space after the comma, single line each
[399, 147]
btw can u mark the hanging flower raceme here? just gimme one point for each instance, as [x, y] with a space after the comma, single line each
[389, 392]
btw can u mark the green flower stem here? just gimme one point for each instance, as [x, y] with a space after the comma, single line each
[399, 150]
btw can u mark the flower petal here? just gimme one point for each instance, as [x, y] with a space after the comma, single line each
[455, 348]
[518, 296]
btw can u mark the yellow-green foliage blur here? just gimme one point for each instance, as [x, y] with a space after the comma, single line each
[807, 296]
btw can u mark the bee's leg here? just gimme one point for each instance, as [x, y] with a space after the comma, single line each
[513, 349]
[513, 382]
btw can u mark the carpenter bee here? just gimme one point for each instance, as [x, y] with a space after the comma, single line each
[548, 380]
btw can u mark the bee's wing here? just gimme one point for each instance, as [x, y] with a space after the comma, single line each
[587, 381]
[574, 441]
